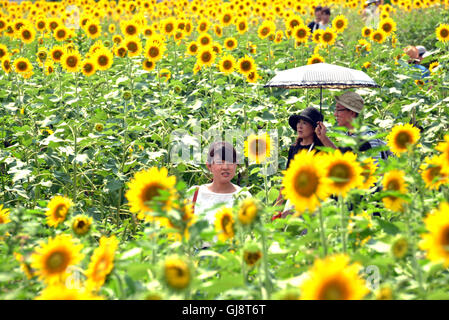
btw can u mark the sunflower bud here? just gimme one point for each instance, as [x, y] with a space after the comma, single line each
[127, 95]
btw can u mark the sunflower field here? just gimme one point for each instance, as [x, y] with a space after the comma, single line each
[98, 99]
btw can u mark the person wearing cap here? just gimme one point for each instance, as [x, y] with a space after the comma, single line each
[416, 54]
[347, 107]
[304, 124]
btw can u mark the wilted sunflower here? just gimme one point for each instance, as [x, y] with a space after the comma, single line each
[378, 36]
[206, 56]
[342, 172]
[431, 172]
[399, 248]
[148, 65]
[177, 273]
[316, 58]
[4, 215]
[27, 33]
[328, 37]
[71, 61]
[339, 23]
[301, 33]
[224, 224]
[101, 262]
[204, 39]
[436, 241]
[51, 260]
[88, 67]
[56, 53]
[366, 32]
[61, 33]
[402, 137]
[368, 173]
[103, 59]
[387, 25]
[60, 291]
[145, 186]
[303, 181]
[442, 32]
[333, 278]
[230, 43]
[258, 147]
[394, 181]
[251, 254]
[134, 46]
[227, 64]
[248, 211]
[81, 224]
[92, 29]
[57, 210]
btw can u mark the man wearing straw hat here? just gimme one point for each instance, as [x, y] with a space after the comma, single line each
[347, 107]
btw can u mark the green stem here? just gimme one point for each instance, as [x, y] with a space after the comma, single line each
[341, 204]
[265, 263]
[323, 236]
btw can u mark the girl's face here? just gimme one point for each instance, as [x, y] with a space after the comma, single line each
[222, 171]
[304, 129]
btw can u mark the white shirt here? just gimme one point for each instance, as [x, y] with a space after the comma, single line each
[324, 26]
[207, 202]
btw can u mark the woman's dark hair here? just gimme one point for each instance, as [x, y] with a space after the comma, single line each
[317, 142]
[318, 8]
[326, 10]
[223, 150]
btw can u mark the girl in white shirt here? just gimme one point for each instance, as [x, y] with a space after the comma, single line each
[209, 198]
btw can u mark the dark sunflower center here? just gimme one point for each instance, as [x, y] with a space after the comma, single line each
[378, 37]
[227, 65]
[294, 23]
[301, 33]
[230, 43]
[403, 139]
[22, 66]
[57, 262]
[93, 29]
[393, 185]
[88, 67]
[444, 33]
[2, 24]
[193, 48]
[327, 37]
[72, 61]
[53, 25]
[150, 192]
[131, 30]
[81, 224]
[206, 57]
[341, 172]
[169, 28]
[265, 31]
[2, 53]
[205, 41]
[60, 34]
[340, 24]
[121, 52]
[225, 221]
[26, 34]
[132, 46]
[242, 26]
[153, 52]
[445, 237]
[333, 290]
[149, 64]
[387, 27]
[60, 210]
[203, 27]
[252, 257]
[226, 18]
[6, 64]
[103, 60]
[306, 183]
[246, 65]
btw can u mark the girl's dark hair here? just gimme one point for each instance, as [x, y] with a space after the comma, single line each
[318, 8]
[223, 150]
[326, 10]
[316, 141]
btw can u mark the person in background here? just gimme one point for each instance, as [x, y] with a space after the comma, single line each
[325, 17]
[314, 25]
[415, 58]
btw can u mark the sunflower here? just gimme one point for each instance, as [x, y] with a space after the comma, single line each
[206, 56]
[168, 26]
[177, 273]
[339, 23]
[57, 210]
[246, 65]
[251, 254]
[366, 32]
[92, 29]
[3, 24]
[394, 181]
[61, 33]
[303, 181]
[71, 61]
[431, 172]
[402, 137]
[368, 173]
[258, 147]
[442, 32]
[4, 215]
[332, 278]
[432, 67]
[301, 33]
[148, 65]
[130, 28]
[204, 40]
[49, 67]
[378, 36]
[248, 211]
[293, 22]
[265, 29]
[217, 48]
[224, 224]
[230, 43]
[278, 37]
[103, 59]
[165, 73]
[111, 28]
[24, 265]
[328, 37]
[27, 33]
[399, 248]
[203, 25]
[22, 65]
[242, 25]
[192, 48]
[342, 172]
[385, 293]
[363, 46]
[146, 185]
[3, 51]
[101, 262]
[444, 148]
[253, 77]
[387, 25]
[316, 58]
[154, 51]
[120, 51]
[134, 46]
[88, 67]
[51, 260]
[60, 291]
[117, 39]
[81, 224]
[218, 30]
[226, 18]
[316, 36]
[436, 241]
